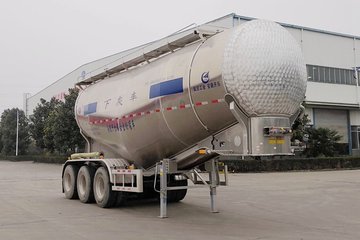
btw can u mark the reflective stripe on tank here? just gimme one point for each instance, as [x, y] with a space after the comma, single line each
[173, 108]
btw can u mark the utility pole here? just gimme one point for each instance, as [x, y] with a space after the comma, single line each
[17, 132]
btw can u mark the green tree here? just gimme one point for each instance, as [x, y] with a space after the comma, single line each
[38, 119]
[8, 132]
[1, 144]
[299, 128]
[61, 130]
[49, 130]
[322, 141]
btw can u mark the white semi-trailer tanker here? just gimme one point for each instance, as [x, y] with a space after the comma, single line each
[167, 108]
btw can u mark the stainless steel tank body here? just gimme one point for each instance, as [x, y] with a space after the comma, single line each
[158, 109]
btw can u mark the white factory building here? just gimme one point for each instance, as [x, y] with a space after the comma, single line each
[332, 97]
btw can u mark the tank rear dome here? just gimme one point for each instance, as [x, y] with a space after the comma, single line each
[264, 69]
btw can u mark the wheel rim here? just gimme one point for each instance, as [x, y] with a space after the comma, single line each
[100, 187]
[67, 182]
[82, 184]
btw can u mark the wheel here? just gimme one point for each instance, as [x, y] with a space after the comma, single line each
[172, 195]
[177, 195]
[180, 194]
[103, 194]
[69, 181]
[84, 181]
[121, 198]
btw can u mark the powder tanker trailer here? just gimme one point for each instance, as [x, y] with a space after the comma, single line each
[166, 108]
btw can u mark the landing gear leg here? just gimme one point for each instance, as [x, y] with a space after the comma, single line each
[163, 189]
[214, 178]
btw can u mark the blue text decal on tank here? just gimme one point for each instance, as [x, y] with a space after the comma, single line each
[90, 108]
[166, 88]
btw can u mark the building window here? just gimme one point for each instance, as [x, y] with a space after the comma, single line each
[331, 75]
[355, 137]
[337, 76]
[315, 72]
[327, 75]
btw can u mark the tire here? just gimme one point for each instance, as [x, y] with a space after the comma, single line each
[174, 195]
[177, 195]
[103, 194]
[121, 199]
[69, 181]
[84, 185]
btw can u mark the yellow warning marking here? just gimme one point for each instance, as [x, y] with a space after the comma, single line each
[202, 151]
[276, 140]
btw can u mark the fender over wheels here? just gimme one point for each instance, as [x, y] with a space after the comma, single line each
[85, 184]
[103, 194]
[69, 181]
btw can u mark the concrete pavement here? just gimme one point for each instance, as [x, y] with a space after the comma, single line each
[291, 205]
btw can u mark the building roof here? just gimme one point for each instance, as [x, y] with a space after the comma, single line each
[216, 24]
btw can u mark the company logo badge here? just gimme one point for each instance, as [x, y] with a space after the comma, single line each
[83, 74]
[205, 77]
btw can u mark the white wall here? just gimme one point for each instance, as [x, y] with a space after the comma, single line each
[328, 50]
[334, 119]
[318, 48]
[296, 33]
[309, 113]
[61, 86]
[331, 93]
[355, 117]
[357, 50]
